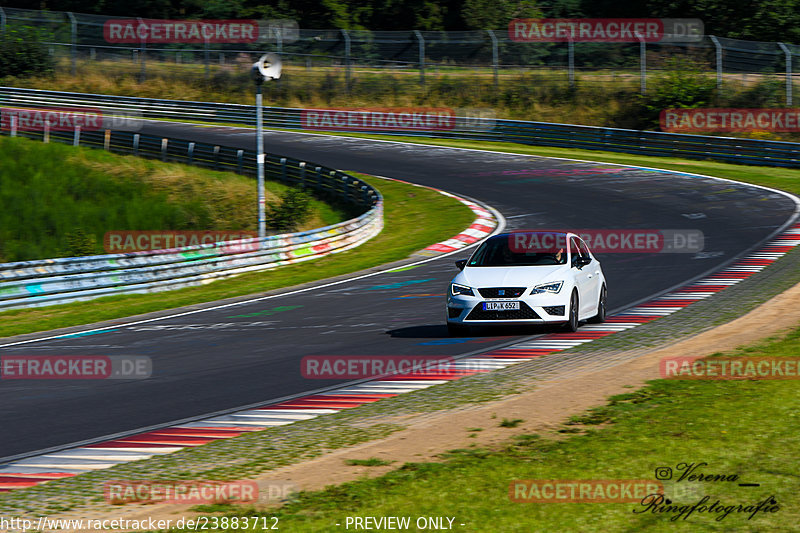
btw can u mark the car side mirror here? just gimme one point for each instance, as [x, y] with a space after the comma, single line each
[583, 261]
[461, 263]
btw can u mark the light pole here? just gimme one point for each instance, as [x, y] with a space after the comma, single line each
[268, 67]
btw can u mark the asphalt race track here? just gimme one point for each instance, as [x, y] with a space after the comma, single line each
[251, 352]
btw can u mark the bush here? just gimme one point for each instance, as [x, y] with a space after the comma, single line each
[683, 85]
[290, 212]
[22, 53]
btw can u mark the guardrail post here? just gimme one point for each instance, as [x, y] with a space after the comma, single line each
[283, 169]
[346, 61]
[216, 157]
[190, 153]
[718, 61]
[421, 41]
[239, 161]
[788, 73]
[318, 181]
[344, 187]
[13, 126]
[107, 140]
[76, 138]
[303, 174]
[365, 194]
[46, 135]
[164, 144]
[495, 57]
[136, 144]
[74, 47]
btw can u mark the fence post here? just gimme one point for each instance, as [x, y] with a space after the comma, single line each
[206, 54]
[495, 57]
[74, 47]
[718, 48]
[346, 60]
[571, 62]
[142, 54]
[642, 63]
[788, 73]
[76, 138]
[421, 41]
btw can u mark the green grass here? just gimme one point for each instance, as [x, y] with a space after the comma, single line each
[414, 218]
[746, 428]
[59, 201]
[372, 461]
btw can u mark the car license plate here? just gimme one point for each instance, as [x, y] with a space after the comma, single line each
[501, 306]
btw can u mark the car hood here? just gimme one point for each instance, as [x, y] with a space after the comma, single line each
[517, 276]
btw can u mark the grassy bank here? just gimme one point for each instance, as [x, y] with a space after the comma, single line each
[59, 201]
[744, 428]
[414, 218]
[598, 97]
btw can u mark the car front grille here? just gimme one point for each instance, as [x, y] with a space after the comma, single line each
[502, 292]
[523, 313]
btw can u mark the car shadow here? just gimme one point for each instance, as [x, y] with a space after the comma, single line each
[439, 331]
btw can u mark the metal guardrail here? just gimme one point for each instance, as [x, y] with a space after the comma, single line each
[727, 149]
[53, 281]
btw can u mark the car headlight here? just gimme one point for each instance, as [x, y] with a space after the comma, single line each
[456, 289]
[553, 286]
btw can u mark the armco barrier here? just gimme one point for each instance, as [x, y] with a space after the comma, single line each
[728, 149]
[52, 281]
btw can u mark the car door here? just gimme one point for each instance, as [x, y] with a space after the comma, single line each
[592, 272]
[583, 279]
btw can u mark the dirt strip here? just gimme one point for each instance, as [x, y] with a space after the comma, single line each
[543, 410]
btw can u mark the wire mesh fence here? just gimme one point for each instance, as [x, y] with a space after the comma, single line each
[343, 61]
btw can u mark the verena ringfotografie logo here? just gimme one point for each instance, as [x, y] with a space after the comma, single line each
[730, 368]
[180, 492]
[116, 242]
[399, 119]
[582, 490]
[730, 120]
[355, 366]
[134, 31]
[603, 241]
[75, 367]
[605, 30]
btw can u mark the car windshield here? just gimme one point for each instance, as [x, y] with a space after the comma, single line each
[512, 250]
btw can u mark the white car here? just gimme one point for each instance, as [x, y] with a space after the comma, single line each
[527, 277]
